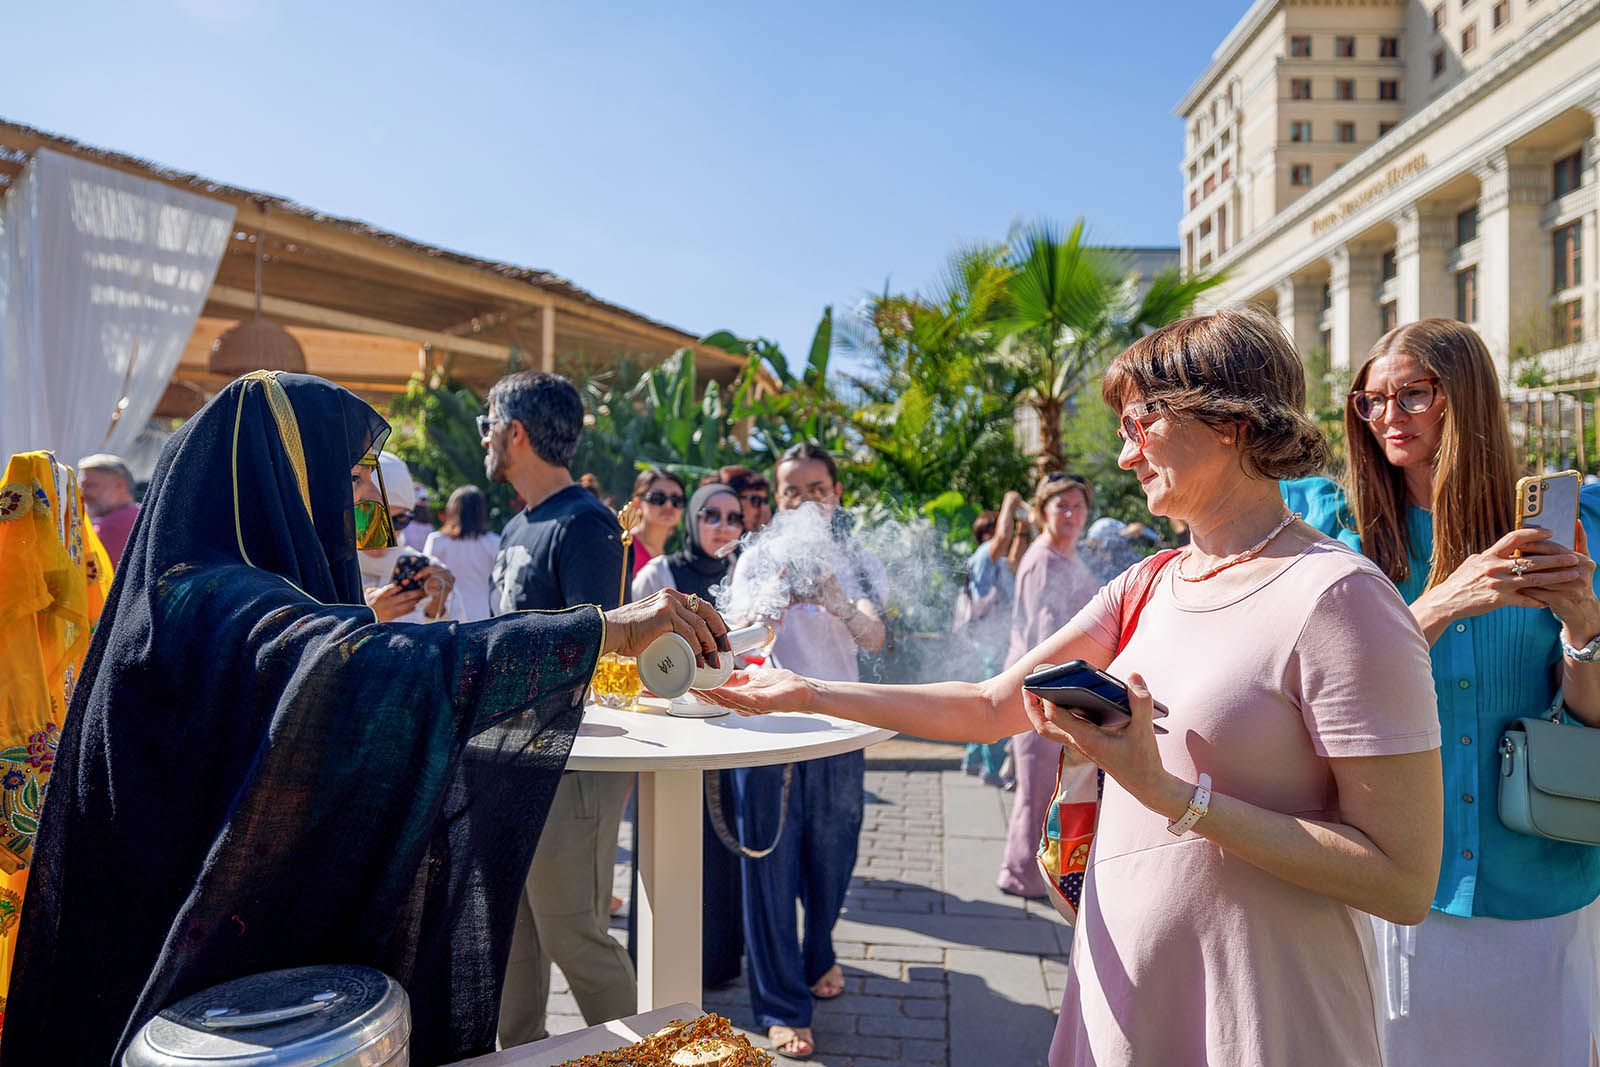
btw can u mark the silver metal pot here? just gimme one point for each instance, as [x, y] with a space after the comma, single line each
[301, 1017]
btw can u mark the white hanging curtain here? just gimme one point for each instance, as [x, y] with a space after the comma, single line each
[102, 276]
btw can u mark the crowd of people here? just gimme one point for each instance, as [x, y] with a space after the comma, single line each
[1298, 858]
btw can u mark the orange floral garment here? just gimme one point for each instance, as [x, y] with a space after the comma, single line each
[54, 576]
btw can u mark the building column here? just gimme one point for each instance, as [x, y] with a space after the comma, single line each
[1299, 306]
[1424, 236]
[1514, 267]
[1354, 286]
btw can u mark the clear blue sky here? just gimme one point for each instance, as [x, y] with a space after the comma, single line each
[732, 165]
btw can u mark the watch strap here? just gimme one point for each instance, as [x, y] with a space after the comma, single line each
[1199, 804]
[1587, 654]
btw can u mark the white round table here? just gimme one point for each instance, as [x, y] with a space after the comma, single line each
[670, 755]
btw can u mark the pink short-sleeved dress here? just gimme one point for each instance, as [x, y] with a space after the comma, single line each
[1185, 954]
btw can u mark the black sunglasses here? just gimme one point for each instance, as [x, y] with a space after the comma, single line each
[755, 500]
[658, 498]
[400, 521]
[713, 518]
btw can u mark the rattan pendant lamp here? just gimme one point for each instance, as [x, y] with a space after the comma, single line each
[256, 344]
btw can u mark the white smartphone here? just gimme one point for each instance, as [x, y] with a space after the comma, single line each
[1550, 502]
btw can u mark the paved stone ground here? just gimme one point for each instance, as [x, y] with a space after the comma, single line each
[941, 968]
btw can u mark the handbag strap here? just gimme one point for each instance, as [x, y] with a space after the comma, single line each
[1141, 585]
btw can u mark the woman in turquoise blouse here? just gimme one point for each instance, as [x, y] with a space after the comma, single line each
[1506, 968]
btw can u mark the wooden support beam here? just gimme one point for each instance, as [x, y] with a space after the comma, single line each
[312, 315]
[547, 340]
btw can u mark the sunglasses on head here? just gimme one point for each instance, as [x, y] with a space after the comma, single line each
[714, 518]
[659, 499]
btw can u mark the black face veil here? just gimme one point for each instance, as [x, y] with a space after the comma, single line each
[254, 774]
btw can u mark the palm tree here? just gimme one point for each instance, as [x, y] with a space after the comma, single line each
[1068, 308]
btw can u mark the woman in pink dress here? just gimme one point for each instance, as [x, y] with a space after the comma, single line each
[1295, 782]
[1052, 584]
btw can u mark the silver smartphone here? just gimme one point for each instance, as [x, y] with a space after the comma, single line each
[1550, 502]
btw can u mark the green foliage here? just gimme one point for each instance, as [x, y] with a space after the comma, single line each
[435, 431]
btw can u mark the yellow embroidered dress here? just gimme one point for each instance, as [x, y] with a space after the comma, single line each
[54, 576]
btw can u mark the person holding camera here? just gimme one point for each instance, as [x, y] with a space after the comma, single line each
[1514, 623]
[401, 584]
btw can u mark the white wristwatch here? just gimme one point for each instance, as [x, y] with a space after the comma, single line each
[1587, 654]
[1199, 804]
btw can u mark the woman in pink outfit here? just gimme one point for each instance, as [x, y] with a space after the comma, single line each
[1295, 782]
[1052, 585]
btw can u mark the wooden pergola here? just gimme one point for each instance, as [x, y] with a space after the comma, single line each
[371, 308]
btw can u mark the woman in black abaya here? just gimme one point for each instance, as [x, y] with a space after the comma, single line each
[254, 774]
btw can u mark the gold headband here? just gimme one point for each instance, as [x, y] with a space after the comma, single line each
[288, 428]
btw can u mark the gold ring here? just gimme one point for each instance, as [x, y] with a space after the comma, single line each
[694, 602]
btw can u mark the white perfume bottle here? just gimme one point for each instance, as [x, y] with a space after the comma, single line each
[668, 669]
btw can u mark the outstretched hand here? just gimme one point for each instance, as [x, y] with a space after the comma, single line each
[759, 692]
[631, 627]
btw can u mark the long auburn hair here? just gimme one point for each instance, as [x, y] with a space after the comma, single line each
[1474, 472]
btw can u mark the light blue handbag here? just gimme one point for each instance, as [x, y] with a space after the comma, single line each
[1550, 779]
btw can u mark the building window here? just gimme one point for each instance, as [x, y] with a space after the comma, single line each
[1568, 256]
[1300, 132]
[1327, 296]
[1386, 265]
[1388, 48]
[1500, 14]
[1388, 317]
[1568, 173]
[1469, 38]
[1567, 322]
[1205, 260]
[1384, 128]
[1467, 226]
[1344, 89]
[1467, 295]
[1300, 88]
[1222, 230]
[1300, 47]
[1344, 47]
[1211, 184]
[1345, 132]
[1205, 228]
[1438, 18]
[1300, 174]
[1438, 62]
[1225, 140]
[1227, 169]
[1388, 89]
[1194, 199]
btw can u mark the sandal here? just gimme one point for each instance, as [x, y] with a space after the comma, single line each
[793, 1042]
[830, 985]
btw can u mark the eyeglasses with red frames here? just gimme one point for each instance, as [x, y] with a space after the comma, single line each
[1413, 397]
[1135, 418]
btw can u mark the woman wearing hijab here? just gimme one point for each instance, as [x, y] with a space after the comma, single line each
[254, 774]
[716, 519]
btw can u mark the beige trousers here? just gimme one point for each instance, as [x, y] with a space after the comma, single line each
[564, 911]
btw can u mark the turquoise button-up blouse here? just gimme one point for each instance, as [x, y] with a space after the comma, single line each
[1487, 671]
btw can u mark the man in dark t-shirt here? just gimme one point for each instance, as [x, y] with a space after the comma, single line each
[565, 550]
[562, 550]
